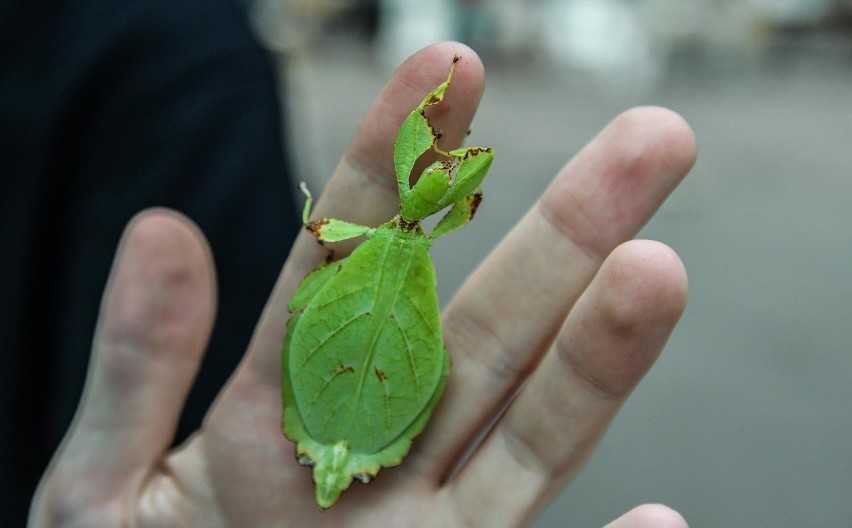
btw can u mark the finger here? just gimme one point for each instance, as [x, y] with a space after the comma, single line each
[609, 341]
[649, 516]
[507, 314]
[363, 188]
[155, 320]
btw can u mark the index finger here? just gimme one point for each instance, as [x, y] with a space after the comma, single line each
[363, 189]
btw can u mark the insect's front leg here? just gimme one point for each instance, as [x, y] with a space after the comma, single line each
[423, 199]
[468, 172]
[459, 215]
[329, 229]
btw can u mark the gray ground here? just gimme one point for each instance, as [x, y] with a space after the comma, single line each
[745, 420]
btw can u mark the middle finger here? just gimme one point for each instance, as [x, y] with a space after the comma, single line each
[508, 312]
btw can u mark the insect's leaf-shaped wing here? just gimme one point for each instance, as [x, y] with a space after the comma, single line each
[366, 356]
[394, 452]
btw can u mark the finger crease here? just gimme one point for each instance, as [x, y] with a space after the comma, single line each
[593, 385]
[371, 172]
[498, 362]
[566, 231]
[525, 453]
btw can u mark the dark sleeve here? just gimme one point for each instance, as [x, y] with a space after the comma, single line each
[119, 106]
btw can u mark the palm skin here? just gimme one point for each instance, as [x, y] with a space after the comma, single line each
[564, 305]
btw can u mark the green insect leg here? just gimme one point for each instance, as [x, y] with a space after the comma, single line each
[468, 173]
[416, 135]
[329, 229]
[459, 215]
[422, 200]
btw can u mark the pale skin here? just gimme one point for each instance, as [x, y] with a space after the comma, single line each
[566, 303]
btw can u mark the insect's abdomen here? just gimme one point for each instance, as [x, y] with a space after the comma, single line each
[372, 338]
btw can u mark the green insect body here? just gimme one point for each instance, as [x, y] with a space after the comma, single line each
[364, 362]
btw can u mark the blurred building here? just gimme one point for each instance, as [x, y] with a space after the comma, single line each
[631, 41]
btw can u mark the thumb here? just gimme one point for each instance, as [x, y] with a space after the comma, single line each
[155, 320]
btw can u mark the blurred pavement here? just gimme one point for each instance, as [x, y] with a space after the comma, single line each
[745, 420]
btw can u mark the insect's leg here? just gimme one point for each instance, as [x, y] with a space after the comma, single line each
[329, 229]
[468, 172]
[416, 134]
[460, 214]
[422, 200]
[309, 200]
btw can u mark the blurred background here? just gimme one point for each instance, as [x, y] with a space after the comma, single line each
[745, 421]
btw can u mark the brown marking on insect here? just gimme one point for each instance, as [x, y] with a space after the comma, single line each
[476, 151]
[381, 375]
[406, 225]
[475, 200]
[341, 370]
[314, 226]
[429, 124]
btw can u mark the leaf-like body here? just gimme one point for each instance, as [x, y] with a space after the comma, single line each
[365, 360]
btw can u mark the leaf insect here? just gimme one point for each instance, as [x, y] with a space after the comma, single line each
[364, 362]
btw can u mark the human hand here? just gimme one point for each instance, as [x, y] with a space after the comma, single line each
[562, 308]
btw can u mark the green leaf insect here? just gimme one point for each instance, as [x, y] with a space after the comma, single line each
[364, 362]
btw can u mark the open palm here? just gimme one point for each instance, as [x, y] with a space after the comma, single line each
[561, 321]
